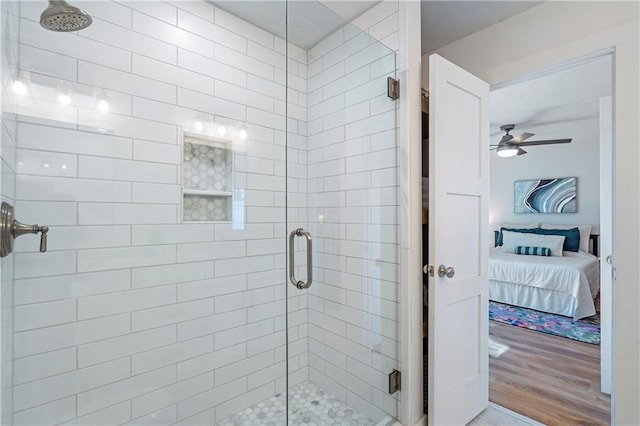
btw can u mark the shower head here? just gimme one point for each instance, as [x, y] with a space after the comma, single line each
[62, 17]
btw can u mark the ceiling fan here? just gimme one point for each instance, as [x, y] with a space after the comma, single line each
[510, 145]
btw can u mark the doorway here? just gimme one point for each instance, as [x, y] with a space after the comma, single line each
[616, 31]
[435, 58]
[568, 101]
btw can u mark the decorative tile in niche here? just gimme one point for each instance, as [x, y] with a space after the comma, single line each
[206, 208]
[207, 178]
[206, 167]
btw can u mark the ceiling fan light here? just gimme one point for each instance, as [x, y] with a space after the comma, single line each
[507, 151]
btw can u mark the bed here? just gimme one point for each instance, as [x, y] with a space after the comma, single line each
[565, 285]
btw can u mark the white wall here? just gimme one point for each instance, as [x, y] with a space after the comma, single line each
[517, 47]
[132, 315]
[577, 159]
[353, 204]
[9, 17]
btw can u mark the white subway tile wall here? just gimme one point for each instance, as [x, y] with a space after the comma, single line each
[352, 198]
[135, 317]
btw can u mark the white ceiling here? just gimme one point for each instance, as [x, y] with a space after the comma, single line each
[560, 96]
[444, 22]
[564, 95]
[309, 21]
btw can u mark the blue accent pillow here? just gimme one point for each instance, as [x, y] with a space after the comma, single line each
[571, 237]
[521, 230]
[533, 251]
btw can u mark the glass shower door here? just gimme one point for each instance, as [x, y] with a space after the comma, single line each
[152, 144]
[171, 148]
[343, 331]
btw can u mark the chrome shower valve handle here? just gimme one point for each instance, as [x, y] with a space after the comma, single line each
[10, 229]
[21, 229]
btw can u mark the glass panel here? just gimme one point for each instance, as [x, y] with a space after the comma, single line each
[152, 143]
[172, 148]
[343, 330]
[9, 25]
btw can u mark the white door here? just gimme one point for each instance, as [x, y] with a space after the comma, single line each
[606, 242]
[458, 238]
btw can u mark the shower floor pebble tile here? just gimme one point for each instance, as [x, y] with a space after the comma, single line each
[308, 405]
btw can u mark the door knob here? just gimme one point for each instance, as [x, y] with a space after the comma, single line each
[443, 271]
[446, 271]
[428, 270]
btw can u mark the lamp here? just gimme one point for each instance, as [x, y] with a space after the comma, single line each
[64, 94]
[64, 98]
[20, 83]
[19, 87]
[506, 150]
[103, 105]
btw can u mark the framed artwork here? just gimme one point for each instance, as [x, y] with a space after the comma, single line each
[557, 195]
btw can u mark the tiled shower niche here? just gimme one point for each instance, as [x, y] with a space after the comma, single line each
[207, 178]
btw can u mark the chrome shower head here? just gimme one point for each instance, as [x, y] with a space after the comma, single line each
[62, 17]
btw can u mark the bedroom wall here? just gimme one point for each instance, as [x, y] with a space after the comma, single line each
[516, 47]
[579, 159]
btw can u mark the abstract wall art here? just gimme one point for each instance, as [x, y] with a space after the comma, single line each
[556, 195]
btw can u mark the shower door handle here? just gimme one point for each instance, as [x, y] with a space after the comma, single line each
[301, 285]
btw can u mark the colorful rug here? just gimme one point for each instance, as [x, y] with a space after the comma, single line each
[586, 330]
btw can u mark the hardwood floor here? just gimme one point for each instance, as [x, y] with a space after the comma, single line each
[553, 380]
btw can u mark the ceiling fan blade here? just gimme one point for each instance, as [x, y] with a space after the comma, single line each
[522, 137]
[521, 151]
[493, 149]
[545, 142]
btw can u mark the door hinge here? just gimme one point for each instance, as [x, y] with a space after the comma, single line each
[395, 381]
[393, 88]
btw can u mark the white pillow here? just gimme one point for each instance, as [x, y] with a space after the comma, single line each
[511, 240]
[585, 233]
[519, 225]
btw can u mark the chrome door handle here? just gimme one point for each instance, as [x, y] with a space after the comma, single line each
[301, 285]
[443, 271]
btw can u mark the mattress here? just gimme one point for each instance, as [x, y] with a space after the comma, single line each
[565, 285]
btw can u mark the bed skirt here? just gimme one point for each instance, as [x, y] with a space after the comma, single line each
[540, 299]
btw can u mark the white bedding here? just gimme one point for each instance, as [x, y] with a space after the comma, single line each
[563, 285]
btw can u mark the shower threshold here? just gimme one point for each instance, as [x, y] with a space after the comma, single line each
[308, 405]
